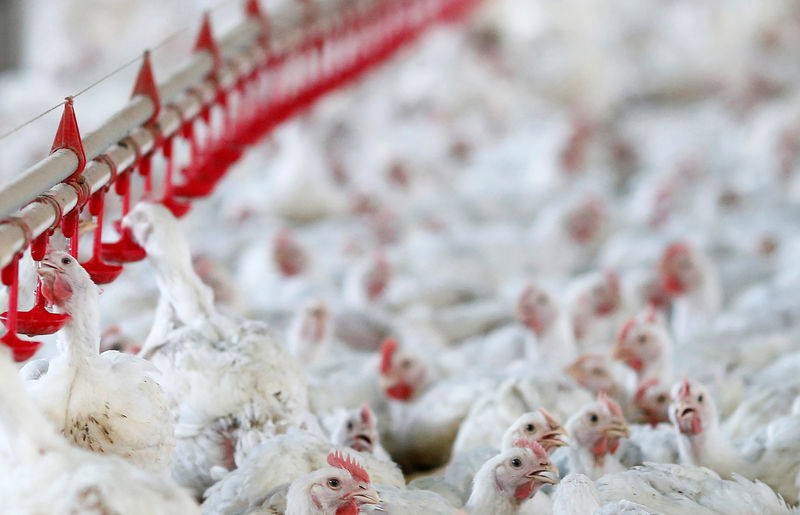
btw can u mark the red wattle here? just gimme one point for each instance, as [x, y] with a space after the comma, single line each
[600, 446]
[348, 509]
[672, 285]
[400, 392]
[524, 491]
[697, 426]
[635, 364]
[56, 289]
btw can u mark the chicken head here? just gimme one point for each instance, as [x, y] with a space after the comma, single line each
[692, 408]
[539, 426]
[536, 309]
[642, 342]
[401, 373]
[337, 490]
[524, 468]
[598, 426]
[679, 268]
[358, 430]
[289, 256]
[65, 283]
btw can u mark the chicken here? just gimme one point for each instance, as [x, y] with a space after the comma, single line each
[129, 416]
[578, 495]
[279, 461]
[687, 275]
[769, 455]
[112, 338]
[650, 403]
[357, 429]
[596, 373]
[645, 346]
[539, 310]
[456, 482]
[43, 473]
[494, 410]
[693, 414]
[367, 281]
[288, 255]
[522, 470]
[670, 488]
[542, 335]
[595, 432]
[308, 337]
[336, 490]
[567, 233]
[501, 486]
[231, 383]
[595, 307]
[394, 374]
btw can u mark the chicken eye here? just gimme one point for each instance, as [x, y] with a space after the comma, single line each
[333, 483]
[406, 363]
[529, 428]
[350, 425]
[516, 463]
[699, 398]
[662, 398]
[593, 417]
[642, 339]
[65, 261]
[597, 371]
[541, 299]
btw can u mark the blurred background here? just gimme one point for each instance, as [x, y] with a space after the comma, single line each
[710, 63]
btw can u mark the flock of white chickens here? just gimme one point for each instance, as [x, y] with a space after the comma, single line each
[543, 264]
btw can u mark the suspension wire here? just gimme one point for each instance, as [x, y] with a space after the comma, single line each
[107, 76]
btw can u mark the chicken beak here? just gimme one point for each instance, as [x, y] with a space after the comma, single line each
[367, 496]
[688, 418]
[617, 428]
[48, 267]
[546, 474]
[622, 353]
[551, 438]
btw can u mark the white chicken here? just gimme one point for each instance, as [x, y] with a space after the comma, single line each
[595, 432]
[336, 490]
[501, 486]
[45, 474]
[231, 383]
[129, 416]
[688, 276]
[769, 455]
[596, 308]
[281, 460]
[664, 488]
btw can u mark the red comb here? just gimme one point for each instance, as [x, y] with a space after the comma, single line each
[612, 406]
[387, 351]
[366, 414]
[340, 461]
[626, 328]
[646, 385]
[550, 418]
[686, 387]
[533, 445]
